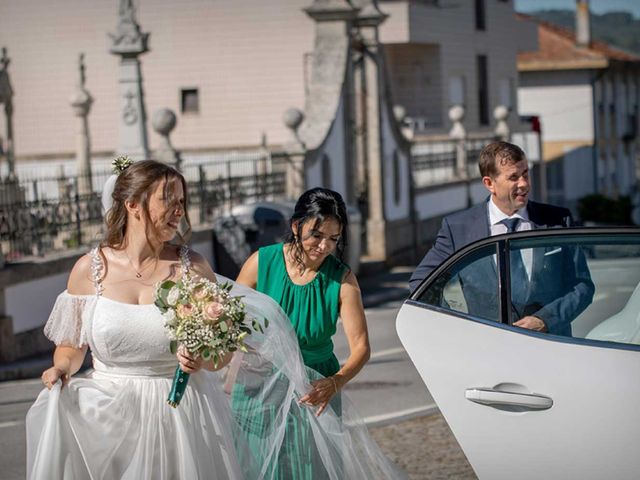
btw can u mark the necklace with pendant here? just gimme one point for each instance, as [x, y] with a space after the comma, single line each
[138, 272]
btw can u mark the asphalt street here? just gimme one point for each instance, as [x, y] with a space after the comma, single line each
[388, 390]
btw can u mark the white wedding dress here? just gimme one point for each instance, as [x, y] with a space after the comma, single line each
[114, 422]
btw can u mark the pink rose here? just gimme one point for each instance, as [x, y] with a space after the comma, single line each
[200, 293]
[185, 310]
[213, 310]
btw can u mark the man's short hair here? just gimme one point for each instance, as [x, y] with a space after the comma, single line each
[503, 152]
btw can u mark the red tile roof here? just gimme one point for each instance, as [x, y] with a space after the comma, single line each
[557, 50]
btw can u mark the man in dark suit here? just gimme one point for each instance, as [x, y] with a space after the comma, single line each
[560, 285]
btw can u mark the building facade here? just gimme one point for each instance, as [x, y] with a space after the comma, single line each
[586, 95]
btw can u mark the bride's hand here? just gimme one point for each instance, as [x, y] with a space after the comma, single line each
[52, 375]
[188, 363]
[321, 394]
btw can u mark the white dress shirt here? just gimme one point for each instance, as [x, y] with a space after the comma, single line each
[496, 216]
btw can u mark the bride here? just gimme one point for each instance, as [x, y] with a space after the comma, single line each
[114, 422]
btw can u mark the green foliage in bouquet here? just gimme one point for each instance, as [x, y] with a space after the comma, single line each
[206, 319]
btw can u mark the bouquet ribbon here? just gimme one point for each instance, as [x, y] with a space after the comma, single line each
[180, 380]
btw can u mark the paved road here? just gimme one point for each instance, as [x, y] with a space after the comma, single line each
[387, 390]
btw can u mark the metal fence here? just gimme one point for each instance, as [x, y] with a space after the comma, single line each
[39, 215]
[435, 161]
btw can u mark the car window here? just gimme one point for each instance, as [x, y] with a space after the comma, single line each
[585, 286]
[550, 280]
[579, 285]
[469, 286]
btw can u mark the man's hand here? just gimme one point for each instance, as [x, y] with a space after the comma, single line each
[531, 323]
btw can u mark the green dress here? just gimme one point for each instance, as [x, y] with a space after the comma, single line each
[313, 309]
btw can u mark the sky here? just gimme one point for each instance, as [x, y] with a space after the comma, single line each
[596, 6]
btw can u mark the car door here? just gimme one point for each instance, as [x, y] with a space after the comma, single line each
[523, 404]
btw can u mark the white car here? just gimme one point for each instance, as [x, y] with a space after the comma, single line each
[563, 404]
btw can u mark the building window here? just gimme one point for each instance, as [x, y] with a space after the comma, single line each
[457, 91]
[189, 100]
[481, 20]
[483, 89]
[506, 92]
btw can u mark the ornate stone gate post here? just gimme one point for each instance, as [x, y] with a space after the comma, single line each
[81, 104]
[129, 42]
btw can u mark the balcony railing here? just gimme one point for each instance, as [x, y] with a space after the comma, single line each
[436, 161]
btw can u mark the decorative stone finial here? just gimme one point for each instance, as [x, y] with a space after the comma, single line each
[81, 99]
[128, 39]
[6, 92]
[400, 113]
[163, 122]
[292, 118]
[501, 113]
[4, 61]
[456, 115]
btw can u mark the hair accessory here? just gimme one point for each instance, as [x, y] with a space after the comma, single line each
[120, 164]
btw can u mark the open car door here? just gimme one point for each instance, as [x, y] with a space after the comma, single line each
[522, 404]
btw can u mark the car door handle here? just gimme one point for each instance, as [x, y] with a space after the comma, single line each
[499, 398]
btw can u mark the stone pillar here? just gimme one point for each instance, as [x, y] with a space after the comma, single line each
[129, 42]
[459, 134]
[296, 151]
[163, 122]
[502, 131]
[368, 95]
[6, 98]
[81, 102]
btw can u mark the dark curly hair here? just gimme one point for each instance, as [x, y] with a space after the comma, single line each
[317, 205]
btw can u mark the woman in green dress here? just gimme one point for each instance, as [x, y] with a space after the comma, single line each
[307, 278]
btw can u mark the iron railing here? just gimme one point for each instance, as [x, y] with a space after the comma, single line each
[435, 161]
[43, 215]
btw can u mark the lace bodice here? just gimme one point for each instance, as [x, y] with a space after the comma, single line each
[124, 339]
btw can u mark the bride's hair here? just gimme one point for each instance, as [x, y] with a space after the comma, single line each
[136, 183]
[317, 205]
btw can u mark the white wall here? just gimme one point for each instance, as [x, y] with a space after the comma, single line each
[563, 102]
[246, 57]
[442, 201]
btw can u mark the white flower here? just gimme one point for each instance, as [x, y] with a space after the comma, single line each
[169, 317]
[173, 295]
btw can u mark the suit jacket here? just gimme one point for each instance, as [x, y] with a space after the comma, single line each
[560, 287]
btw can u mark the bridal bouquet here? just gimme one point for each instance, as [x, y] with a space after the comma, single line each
[206, 319]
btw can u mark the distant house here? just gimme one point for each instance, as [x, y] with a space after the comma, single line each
[586, 95]
[444, 53]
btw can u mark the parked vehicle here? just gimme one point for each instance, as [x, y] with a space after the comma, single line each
[525, 404]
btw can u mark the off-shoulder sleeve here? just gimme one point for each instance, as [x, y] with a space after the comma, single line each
[68, 319]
